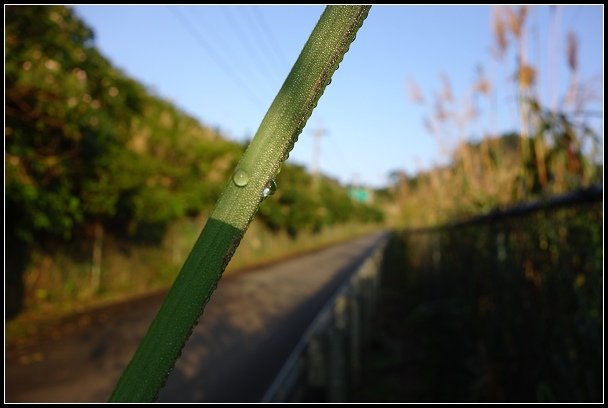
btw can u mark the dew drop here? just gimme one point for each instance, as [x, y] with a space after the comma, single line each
[240, 177]
[270, 189]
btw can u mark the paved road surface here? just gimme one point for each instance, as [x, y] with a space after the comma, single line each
[249, 327]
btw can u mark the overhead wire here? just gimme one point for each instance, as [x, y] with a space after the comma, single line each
[269, 38]
[253, 49]
[216, 57]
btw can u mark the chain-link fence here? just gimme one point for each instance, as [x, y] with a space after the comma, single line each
[524, 292]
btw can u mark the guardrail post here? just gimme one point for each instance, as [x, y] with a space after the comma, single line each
[501, 248]
[436, 239]
[317, 375]
[337, 360]
[355, 331]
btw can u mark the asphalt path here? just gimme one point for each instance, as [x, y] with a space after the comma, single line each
[251, 324]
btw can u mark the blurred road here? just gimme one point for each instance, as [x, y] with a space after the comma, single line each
[248, 329]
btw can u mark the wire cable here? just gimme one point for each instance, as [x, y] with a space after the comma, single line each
[251, 46]
[216, 57]
[268, 36]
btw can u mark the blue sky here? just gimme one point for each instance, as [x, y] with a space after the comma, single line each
[224, 65]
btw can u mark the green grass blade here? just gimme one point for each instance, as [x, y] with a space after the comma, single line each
[148, 370]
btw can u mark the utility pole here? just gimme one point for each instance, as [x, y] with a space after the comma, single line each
[318, 133]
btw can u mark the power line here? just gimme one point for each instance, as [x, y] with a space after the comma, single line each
[223, 43]
[268, 36]
[211, 32]
[251, 46]
[318, 133]
[217, 58]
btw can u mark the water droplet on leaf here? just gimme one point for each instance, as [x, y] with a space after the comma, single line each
[240, 177]
[270, 189]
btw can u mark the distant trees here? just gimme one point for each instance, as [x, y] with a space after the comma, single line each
[298, 205]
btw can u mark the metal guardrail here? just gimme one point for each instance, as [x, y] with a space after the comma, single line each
[326, 362]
